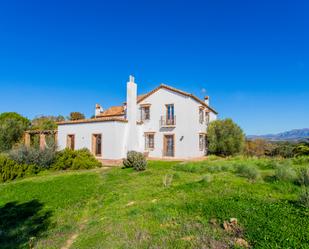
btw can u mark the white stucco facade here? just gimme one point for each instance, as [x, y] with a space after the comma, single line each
[128, 130]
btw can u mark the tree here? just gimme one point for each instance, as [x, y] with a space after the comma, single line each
[76, 116]
[12, 128]
[256, 147]
[225, 138]
[301, 150]
[46, 122]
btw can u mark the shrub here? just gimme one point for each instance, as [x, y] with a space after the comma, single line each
[284, 149]
[304, 197]
[285, 173]
[85, 160]
[189, 167]
[10, 170]
[135, 160]
[75, 159]
[213, 158]
[214, 168]
[301, 160]
[206, 178]
[176, 176]
[250, 172]
[301, 150]
[266, 164]
[225, 138]
[167, 180]
[33, 156]
[303, 177]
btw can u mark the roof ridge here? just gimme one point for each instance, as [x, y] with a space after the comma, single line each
[162, 85]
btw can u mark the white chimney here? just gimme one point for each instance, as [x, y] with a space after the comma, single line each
[206, 100]
[98, 110]
[132, 114]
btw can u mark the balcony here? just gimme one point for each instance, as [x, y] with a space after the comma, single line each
[166, 121]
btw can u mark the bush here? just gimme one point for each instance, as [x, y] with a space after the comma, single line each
[215, 168]
[250, 172]
[301, 150]
[10, 170]
[301, 160]
[284, 149]
[135, 160]
[285, 173]
[206, 179]
[85, 160]
[266, 164]
[304, 197]
[213, 158]
[75, 159]
[189, 167]
[225, 138]
[303, 177]
[33, 156]
[167, 180]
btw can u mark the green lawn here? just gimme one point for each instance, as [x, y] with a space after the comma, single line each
[170, 205]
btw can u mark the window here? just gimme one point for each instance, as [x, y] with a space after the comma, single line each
[145, 113]
[170, 111]
[149, 141]
[207, 117]
[201, 115]
[202, 141]
[170, 117]
[71, 141]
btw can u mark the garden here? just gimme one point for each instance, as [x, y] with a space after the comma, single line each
[235, 202]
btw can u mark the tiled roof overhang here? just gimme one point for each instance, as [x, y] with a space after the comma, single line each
[93, 120]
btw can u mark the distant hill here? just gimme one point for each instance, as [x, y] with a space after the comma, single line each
[293, 135]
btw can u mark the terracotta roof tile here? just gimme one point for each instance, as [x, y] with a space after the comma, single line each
[92, 120]
[113, 111]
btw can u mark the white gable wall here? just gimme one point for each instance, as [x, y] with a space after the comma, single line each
[187, 126]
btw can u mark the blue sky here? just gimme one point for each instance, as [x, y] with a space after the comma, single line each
[252, 57]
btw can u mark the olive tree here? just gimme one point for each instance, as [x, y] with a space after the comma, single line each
[76, 116]
[12, 127]
[225, 138]
[46, 122]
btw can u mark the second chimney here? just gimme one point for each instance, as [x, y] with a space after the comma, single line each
[98, 110]
[206, 100]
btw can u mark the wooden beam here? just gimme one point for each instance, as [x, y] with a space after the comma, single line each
[27, 139]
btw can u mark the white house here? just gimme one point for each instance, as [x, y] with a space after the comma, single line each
[165, 122]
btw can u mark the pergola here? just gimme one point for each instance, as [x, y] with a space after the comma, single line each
[42, 134]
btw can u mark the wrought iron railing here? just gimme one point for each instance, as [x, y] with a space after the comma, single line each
[167, 121]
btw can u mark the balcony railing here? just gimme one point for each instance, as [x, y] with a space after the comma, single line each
[166, 121]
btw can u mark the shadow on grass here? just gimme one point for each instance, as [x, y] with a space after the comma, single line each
[22, 223]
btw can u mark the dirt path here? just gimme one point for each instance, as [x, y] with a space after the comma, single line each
[85, 216]
[74, 236]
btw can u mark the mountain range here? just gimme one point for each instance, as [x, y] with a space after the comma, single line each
[292, 135]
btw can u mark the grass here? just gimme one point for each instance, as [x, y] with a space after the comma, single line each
[170, 205]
